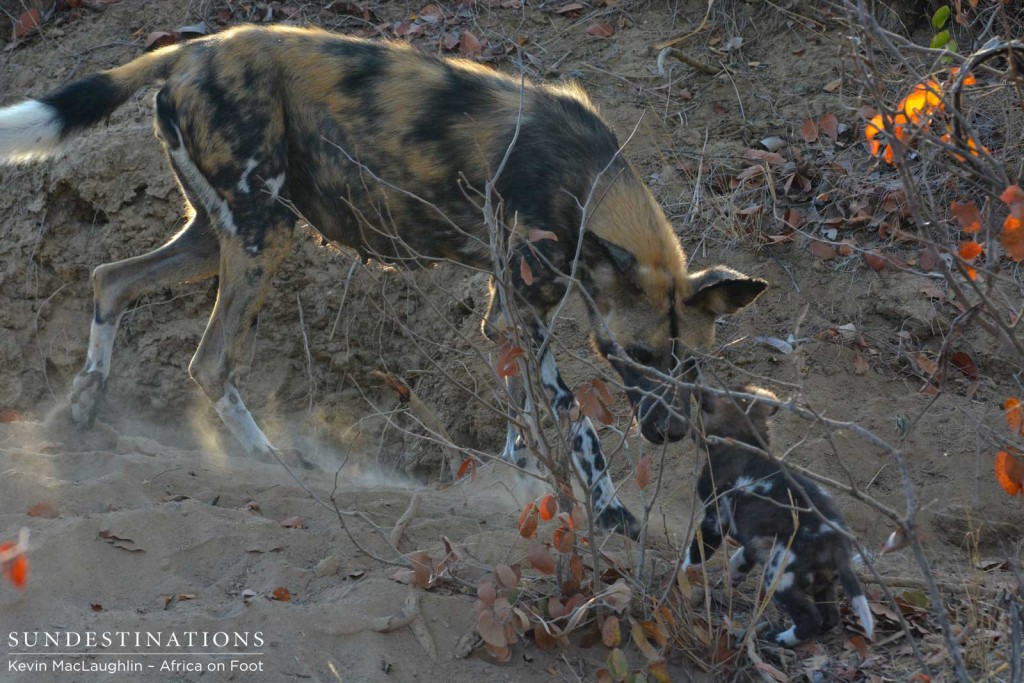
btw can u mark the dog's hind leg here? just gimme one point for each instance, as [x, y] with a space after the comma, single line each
[190, 255]
[245, 278]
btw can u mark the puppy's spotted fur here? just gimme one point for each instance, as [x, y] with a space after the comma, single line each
[749, 497]
[387, 151]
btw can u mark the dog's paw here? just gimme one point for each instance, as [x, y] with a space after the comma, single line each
[84, 400]
[621, 520]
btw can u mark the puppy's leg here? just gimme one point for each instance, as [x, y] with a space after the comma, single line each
[191, 255]
[828, 607]
[706, 542]
[804, 613]
[740, 565]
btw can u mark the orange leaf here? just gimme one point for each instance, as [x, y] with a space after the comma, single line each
[564, 540]
[1012, 195]
[970, 250]
[525, 271]
[548, 507]
[594, 400]
[468, 466]
[528, 521]
[1010, 472]
[16, 569]
[1014, 416]
[281, 593]
[643, 472]
[507, 356]
[967, 215]
[1012, 238]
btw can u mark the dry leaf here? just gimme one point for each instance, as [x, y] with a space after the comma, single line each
[491, 631]
[611, 633]
[830, 126]
[809, 131]
[525, 272]
[281, 593]
[875, 260]
[965, 364]
[833, 85]
[27, 23]
[158, 39]
[44, 510]
[293, 522]
[860, 366]
[485, 590]
[1014, 416]
[541, 558]
[470, 46]
[822, 250]
[507, 577]
[643, 472]
[10, 415]
[601, 30]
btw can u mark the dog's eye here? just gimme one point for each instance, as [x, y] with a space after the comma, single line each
[641, 355]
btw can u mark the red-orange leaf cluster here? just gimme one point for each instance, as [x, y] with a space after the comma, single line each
[970, 250]
[507, 357]
[15, 567]
[1010, 472]
[968, 216]
[548, 507]
[1013, 227]
[528, 521]
[914, 113]
[1014, 417]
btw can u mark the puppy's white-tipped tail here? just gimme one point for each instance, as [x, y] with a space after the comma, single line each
[29, 130]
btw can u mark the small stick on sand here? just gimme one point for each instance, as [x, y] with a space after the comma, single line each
[403, 522]
[422, 413]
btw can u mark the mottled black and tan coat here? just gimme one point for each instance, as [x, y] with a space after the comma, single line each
[384, 149]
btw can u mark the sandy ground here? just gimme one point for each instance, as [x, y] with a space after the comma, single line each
[162, 525]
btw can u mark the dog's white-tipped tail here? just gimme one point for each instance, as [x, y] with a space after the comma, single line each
[863, 612]
[29, 130]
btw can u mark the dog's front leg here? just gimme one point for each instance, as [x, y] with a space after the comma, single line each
[585, 446]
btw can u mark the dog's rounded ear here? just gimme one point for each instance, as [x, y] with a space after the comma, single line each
[708, 401]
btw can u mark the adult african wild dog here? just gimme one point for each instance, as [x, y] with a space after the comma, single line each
[753, 499]
[381, 148]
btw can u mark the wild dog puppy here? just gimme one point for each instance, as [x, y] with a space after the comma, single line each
[787, 522]
[386, 150]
